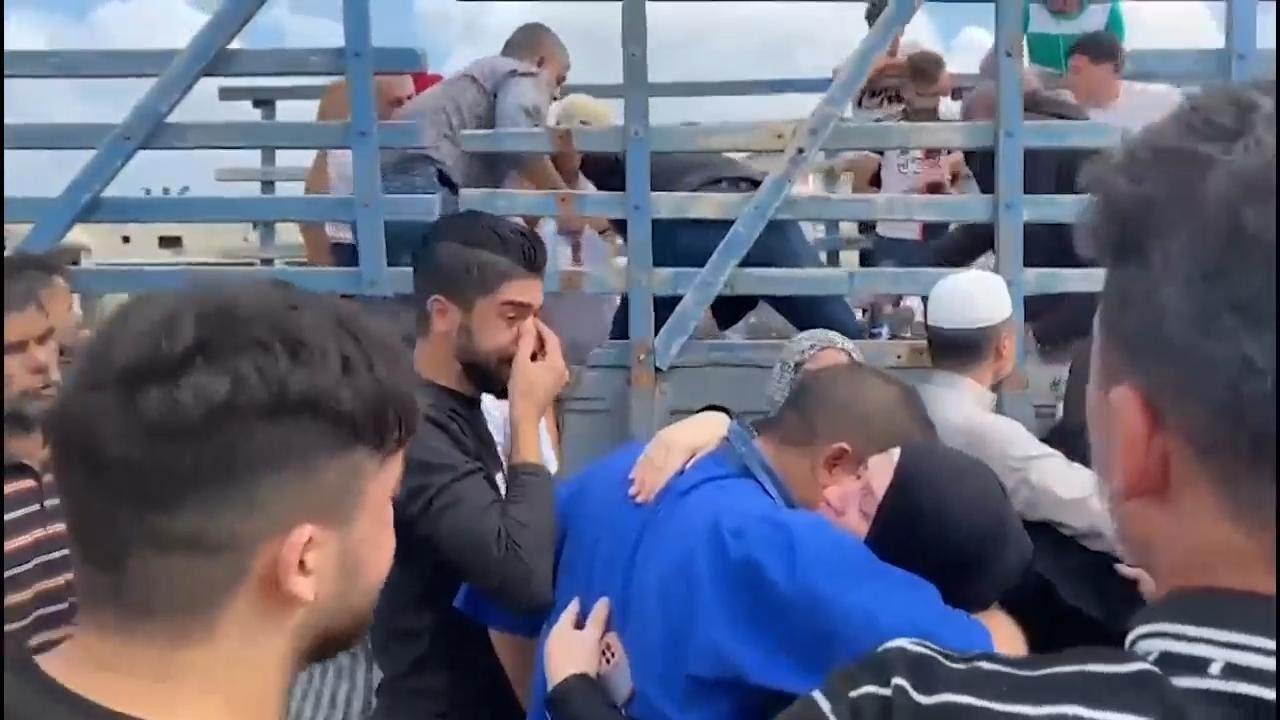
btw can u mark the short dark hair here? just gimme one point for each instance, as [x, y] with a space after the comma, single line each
[1183, 218]
[855, 403]
[961, 350]
[925, 67]
[468, 255]
[1099, 47]
[533, 40]
[26, 275]
[200, 423]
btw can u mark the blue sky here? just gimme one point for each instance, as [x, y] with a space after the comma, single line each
[762, 40]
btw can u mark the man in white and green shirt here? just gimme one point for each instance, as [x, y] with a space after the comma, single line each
[1052, 26]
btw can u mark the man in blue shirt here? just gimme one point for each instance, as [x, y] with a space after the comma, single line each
[729, 594]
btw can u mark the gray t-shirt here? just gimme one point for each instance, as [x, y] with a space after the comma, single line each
[493, 92]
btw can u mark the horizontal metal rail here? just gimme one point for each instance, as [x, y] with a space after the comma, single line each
[1178, 67]
[242, 135]
[1050, 209]
[773, 137]
[233, 62]
[262, 173]
[192, 209]
[123, 278]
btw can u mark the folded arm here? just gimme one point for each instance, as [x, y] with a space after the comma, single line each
[503, 545]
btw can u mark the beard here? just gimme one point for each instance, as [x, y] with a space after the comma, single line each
[487, 373]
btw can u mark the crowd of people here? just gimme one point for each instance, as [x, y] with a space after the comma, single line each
[251, 501]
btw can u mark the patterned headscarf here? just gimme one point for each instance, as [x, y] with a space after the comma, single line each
[796, 353]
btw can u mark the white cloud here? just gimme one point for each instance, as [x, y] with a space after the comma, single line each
[687, 41]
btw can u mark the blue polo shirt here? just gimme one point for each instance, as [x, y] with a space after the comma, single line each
[727, 601]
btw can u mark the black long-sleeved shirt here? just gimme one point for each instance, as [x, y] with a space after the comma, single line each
[1194, 654]
[453, 526]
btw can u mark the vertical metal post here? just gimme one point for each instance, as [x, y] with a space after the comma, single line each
[267, 230]
[645, 392]
[147, 113]
[831, 184]
[1015, 400]
[1242, 39]
[366, 171]
[801, 149]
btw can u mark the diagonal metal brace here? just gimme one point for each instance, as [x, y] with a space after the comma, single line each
[801, 151]
[131, 134]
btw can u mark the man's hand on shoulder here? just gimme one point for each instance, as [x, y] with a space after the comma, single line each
[1007, 637]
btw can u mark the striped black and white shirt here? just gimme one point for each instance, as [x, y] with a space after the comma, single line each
[39, 601]
[1202, 654]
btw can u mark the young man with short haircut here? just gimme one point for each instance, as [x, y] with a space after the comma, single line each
[1095, 64]
[228, 458]
[465, 513]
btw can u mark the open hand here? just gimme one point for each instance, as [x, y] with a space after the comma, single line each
[675, 448]
[572, 651]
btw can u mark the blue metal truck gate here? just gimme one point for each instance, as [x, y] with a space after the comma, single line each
[648, 355]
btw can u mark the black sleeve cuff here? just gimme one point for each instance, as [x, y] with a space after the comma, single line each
[716, 408]
[581, 697]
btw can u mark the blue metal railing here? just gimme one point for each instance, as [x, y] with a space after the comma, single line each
[145, 128]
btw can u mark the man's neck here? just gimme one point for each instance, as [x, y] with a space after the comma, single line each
[438, 365]
[244, 679]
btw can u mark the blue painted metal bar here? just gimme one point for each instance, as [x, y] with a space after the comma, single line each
[107, 279]
[152, 108]
[1053, 209]
[827, 281]
[1009, 185]
[126, 277]
[804, 145]
[773, 136]
[1242, 40]
[278, 174]
[221, 209]
[232, 62]
[244, 135]
[1178, 67]
[366, 172]
[646, 392]
[267, 230]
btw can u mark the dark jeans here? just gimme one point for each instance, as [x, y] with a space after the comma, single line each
[405, 175]
[898, 252]
[689, 244]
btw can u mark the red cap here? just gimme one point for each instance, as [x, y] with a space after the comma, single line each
[423, 81]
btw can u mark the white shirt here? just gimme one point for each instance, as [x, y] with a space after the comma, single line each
[1043, 485]
[341, 182]
[1138, 105]
[497, 415]
[582, 321]
[899, 174]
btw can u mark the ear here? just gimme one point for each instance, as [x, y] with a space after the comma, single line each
[298, 563]
[1141, 446]
[836, 464]
[445, 316]
[540, 62]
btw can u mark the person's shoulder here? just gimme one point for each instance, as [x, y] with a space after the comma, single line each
[755, 527]
[29, 694]
[898, 674]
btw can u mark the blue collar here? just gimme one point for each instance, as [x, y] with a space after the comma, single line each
[742, 445]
